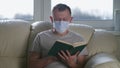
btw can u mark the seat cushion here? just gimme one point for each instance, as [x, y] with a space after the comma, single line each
[103, 60]
[12, 62]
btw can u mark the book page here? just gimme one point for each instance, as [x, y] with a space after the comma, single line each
[64, 42]
[79, 43]
[75, 44]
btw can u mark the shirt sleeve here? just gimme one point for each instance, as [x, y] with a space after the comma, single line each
[36, 45]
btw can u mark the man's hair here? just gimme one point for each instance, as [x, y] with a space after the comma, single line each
[61, 7]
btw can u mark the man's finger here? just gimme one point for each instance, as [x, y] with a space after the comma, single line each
[68, 53]
[61, 56]
[77, 53]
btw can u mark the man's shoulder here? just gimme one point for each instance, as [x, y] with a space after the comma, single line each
[44, 32]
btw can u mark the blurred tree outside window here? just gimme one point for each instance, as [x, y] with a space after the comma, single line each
[88, 9]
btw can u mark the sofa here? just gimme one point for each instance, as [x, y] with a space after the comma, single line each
[16, 37]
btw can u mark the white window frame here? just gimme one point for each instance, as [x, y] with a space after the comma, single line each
[42, 11]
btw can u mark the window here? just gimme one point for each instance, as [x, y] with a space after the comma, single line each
[89, 9]
[16, 9]
[42, 11]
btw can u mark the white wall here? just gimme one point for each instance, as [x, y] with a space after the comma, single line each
[116, 14]
[116, 4]
[116, 7]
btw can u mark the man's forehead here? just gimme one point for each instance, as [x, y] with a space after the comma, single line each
[63, 16]
[61, 11]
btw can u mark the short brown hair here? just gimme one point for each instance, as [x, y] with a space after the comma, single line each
[61, 7]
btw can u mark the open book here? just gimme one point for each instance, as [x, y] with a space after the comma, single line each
[61, 45]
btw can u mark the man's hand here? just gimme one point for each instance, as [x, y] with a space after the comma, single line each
[70, 60]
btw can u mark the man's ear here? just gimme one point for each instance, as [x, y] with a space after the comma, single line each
[51, 18]
[71, 19]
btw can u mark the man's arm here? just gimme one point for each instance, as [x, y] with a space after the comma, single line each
[35, 60]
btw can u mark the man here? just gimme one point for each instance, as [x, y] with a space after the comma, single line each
[38, 58]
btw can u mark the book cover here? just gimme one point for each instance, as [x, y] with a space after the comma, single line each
[60, 45]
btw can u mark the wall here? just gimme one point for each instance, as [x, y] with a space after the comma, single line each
[116, 6]
[116, 9]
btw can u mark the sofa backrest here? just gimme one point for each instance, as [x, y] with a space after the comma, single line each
[13, 38]
[103, 41]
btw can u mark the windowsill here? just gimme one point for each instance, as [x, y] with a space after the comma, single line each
[116, 33]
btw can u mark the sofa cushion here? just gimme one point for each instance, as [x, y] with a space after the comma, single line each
[103, 60]
[13, 38]
[12, 62]
[84, 30]
[102, 41]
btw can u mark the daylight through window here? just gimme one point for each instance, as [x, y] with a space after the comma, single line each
[89, 9]
[16, 9]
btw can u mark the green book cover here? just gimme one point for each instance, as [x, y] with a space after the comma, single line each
[58, 46]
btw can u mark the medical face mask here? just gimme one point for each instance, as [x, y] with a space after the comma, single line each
[60, 26]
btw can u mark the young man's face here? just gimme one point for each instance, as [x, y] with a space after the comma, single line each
[61, 20]
[61, 16]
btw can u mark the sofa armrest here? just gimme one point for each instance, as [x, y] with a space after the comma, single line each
[103, 60]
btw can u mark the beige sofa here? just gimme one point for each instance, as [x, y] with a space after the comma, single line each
[16, 37]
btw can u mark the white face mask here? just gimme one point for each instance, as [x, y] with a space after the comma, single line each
[60, 26]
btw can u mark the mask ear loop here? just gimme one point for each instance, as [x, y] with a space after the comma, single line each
[53, 23]
[53, 26]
